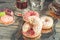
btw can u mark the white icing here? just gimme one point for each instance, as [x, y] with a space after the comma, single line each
[49, 23]
[25, 27]
[37, 25]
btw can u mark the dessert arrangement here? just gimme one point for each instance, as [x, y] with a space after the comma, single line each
[32, 26]
[6, 17]
[35, 25]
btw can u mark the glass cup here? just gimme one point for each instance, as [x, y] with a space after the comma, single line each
[37, 4]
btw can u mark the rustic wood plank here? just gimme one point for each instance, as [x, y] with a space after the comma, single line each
[58, 30]
[7, 0]
[7, 31]
[5, 39]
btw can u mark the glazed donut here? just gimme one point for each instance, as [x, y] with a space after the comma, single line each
[6, 19]
[47, 22]
[32, 30]
[29, 13]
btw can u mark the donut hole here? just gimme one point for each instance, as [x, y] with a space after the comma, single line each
[46, 20]
[31, 31]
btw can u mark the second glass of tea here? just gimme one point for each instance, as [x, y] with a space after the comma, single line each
[21, 4]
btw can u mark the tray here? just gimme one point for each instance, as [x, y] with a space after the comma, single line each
[18, 35]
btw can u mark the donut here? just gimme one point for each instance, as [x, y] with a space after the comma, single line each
[6, 16]
[29, 13]
[31, 31]
[47, 22]
[31, 34]
[6, 19]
